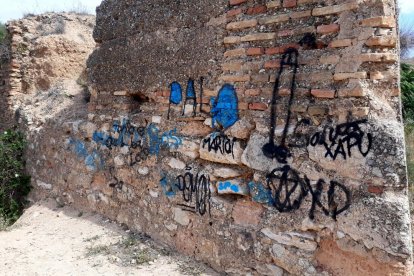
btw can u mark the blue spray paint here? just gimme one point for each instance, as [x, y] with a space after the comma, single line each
[176, 93]
[224, 107]
[176, 96]
[190, 94]
[168, 189]
[260, 193]
[225, 186]
[93, 161]
[145, 137]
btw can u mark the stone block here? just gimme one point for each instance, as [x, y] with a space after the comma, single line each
[247, 213]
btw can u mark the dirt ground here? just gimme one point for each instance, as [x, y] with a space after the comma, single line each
[53, 240]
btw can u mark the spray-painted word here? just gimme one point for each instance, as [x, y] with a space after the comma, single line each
[339, 140]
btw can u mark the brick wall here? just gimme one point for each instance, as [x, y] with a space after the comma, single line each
[258, 136]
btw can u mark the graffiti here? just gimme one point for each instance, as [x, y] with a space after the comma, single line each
[219, 142]
[340, 140]
[190, 94]
[175, 96]
[260, 193]
[169, 189]
[309, 41]
[197, 188]
[224, 107]
[201, 82]
[92, 160]
[271, 150]
[116, 183]
[287, 190]
[142, 141]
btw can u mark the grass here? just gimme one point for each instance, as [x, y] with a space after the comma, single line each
[3, 32]
[98, 250]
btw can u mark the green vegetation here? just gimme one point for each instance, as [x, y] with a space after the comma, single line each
[3, 32]
[407, 93]
[14, 184]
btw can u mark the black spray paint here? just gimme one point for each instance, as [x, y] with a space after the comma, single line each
[281, 151]
[288, 190]
[195, 188]
[340, 140]
[219, 142]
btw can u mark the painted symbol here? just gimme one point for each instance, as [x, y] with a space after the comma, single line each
[225, 107]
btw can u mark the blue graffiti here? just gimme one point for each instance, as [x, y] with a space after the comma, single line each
[92, 160]
[176, 93]
[176, 96]
[190, 92]
[260, 193]
[148, 139]
[224, 186]
[168, 189]
[224, 107]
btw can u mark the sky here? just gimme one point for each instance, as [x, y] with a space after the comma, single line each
[15, 9]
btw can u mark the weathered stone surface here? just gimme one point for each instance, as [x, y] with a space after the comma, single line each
[181, 217]
[241, 129]
[221, 149]
[353, 200]
[195, 129]
[176, 164]
[247, 213]
[188, 148]
[226, 173]
[253, 156]
[177, 29]
[302, 241]
[44, 185]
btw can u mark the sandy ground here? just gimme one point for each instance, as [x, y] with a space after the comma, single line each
[53, 240]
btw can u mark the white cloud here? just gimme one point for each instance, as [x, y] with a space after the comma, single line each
[406, 6]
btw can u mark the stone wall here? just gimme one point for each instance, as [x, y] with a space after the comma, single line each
[257, 136]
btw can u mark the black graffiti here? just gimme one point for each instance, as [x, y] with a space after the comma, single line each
[201, 82]
[220, 143]
[309, 41]
[115, 183]
[271, 150]
[190, 94]
[288, 190]
[340, 140]
[195, 188]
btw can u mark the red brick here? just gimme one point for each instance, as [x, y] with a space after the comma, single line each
[327, 29]
[256, 10]
[258, 106]
[255, 51]
[289, 3]
[234, 12]
[273, 51]
[320, 93]
[252, 92]
[237, 2]
[286, 33]
[375, 189]
[272, 64]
